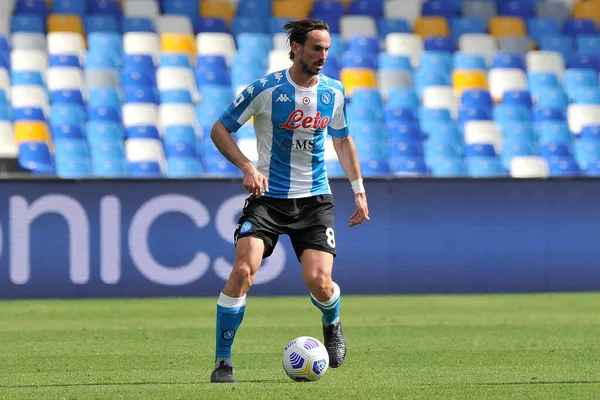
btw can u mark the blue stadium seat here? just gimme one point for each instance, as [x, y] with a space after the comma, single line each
[461, 25]
[590, 132]
[106, 42]
[27, 78]
[105, 8]
[184, 167]
[142, 132]
[255, 42]
[398, 114]
[434, 149]
[477, 98]
[485, 167]
[138, 62]
[516, 8]
[180, 134]
[480, 150]
[145, 169]
[71, 149]
[439, 43]
[588, 44]
[386, 26]
[584, 61]
[27, 23]
[110, 169]
[579, 26]
[71, 114]
[247, 24]
[137, 78]
[592, 169]
[409, 166]
[511, 112]
[440, 8]
[553, 97]
[515, 149]
[69, 7]
[175, 60]
[101, 23]
[587, 95]
[64, 60]
[108, 151]
[28, 114]
[103, 113]
[175, 96]
[366, 7]
[404, 131]
[508, 60]
[217, 77]
[206, 24]
[36, 157]
[565, 166]
[541, 114]
[33, 7]
[469, 61]
[254, 8]
[396, 62]
[363, 45]
[357, 60]
[141, 94]
[586, 151]
[182, 7]
[554, 149]
[553, 132]
[99, 60]
[403, 97]
[105, 96]
[518, 131]
[565, 45]
[517, 97]
[537, 28]
[448, 167]
[98, 132]
[65, 131]
[67, 97]
[137, 24]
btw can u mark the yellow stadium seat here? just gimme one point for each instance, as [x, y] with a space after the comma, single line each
[291, 9]
[31, 132]
[65, 23]
[468, 79]
[178, 43]
[217, 9]
[507, 26]
[587, 10]
[432, 26]
[353, 78]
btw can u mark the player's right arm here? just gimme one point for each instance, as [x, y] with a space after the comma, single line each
[236, 115]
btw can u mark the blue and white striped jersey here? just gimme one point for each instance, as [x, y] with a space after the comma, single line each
[290, 122]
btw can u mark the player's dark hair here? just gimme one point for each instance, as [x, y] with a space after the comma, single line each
[298, 31]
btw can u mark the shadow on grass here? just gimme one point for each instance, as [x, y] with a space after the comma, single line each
[46, 385]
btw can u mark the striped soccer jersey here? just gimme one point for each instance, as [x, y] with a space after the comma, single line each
[290, 122]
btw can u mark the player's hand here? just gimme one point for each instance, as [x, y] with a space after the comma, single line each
[362, 210]
[255, 182]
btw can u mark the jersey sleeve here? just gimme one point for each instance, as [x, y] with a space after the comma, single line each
[338, 127]
[246, 105]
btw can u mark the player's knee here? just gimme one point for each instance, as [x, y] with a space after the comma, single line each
[242, 275]
[321, 286]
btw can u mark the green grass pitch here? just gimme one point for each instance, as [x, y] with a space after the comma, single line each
[406, 347]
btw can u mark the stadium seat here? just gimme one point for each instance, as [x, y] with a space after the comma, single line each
[529, 167]
[587, 10]
[500, 26]
[467, 80]
[218, 9]
[66, 23]
[432, 26]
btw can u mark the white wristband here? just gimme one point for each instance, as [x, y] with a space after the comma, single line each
[357, 186]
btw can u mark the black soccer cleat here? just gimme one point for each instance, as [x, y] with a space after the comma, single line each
[223, 374]
[335, 343]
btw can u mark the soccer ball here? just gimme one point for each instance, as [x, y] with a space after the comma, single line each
[305, 359]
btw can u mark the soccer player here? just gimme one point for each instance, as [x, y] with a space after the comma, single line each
[289, 191]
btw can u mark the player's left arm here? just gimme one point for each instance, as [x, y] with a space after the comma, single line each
[348, 156]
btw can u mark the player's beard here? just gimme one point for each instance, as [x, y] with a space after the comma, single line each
[311, 70]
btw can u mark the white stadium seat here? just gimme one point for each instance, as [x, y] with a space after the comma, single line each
[357, 25]
[5, 82]
[140, 114]
[145, 150]
[177, 114]
[479, 43]
[65, 78]
[441, 97]
[30, 96]
[29, 41]
[408, 10]
[177, 78]
[216, 43]
[580, 115]
[29, 60]
[546, 61]
[141, 8]
[66, 43]
[501, 80]
[280, 42]
[278, 60]
[180, 24]
[248, 148]
[405, 44]
[484, 132]
[8, 146]
[142, 43]
[529, 167]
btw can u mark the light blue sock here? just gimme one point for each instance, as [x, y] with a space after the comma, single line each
[230, 313]
[331, 307]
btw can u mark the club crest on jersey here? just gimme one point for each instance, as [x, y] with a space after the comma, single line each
[326, 98]
[297, 119]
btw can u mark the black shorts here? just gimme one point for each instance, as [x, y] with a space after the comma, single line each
[307, 221]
